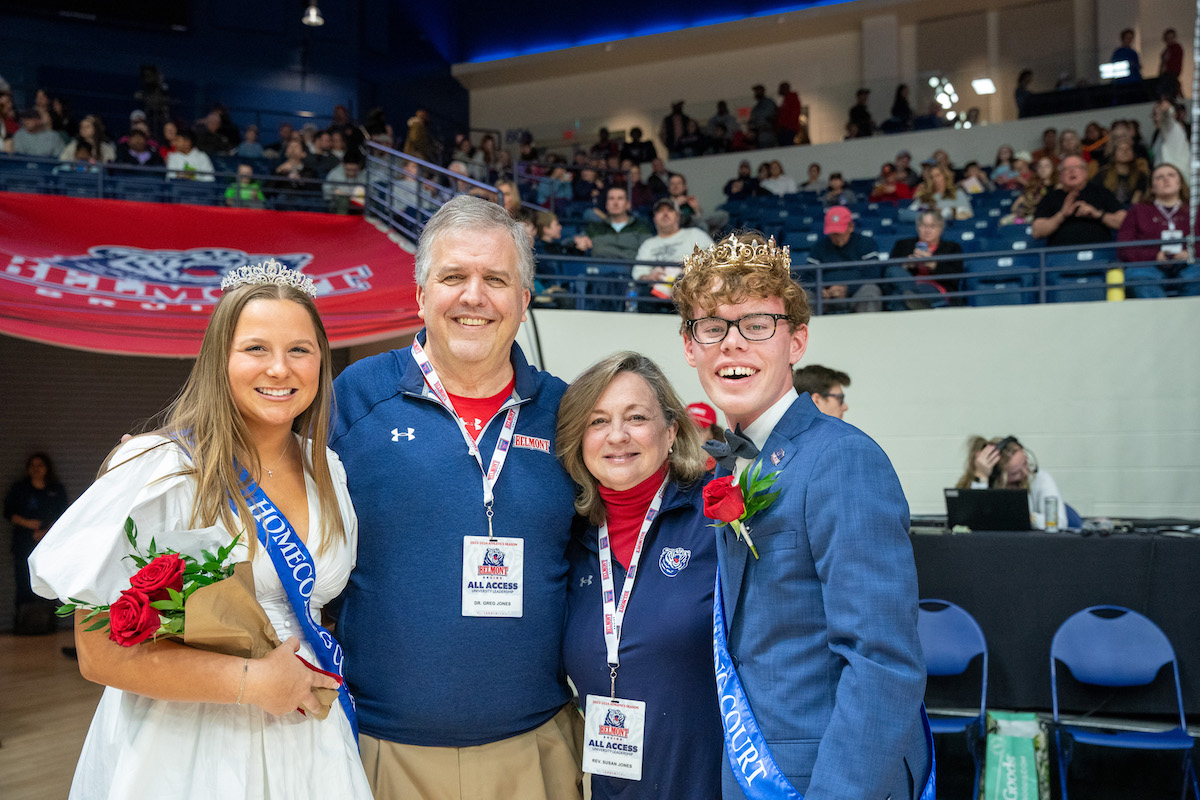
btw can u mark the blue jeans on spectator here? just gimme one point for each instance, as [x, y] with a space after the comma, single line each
[1190, 275]
[909, 293]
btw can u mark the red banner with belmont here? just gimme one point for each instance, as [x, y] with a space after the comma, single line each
[142, 278]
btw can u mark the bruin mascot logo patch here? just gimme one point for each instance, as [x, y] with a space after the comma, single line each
[674, 560]
[614, 723]
[493, 562]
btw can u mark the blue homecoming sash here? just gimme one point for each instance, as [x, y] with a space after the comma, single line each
[296, 571]
[749, 757]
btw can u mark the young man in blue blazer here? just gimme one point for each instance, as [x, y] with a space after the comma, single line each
[821, 622]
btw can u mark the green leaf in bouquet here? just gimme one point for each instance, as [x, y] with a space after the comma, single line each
[153, 547]
[163, 605]
[131, 532]
[224, 552]
[95, 612]
[99, 624]
[65, 610]
[138, 560]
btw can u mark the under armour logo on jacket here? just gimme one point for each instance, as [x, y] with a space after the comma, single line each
[396, 434]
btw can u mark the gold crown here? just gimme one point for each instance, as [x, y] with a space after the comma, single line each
[269, 272]
[733, 252]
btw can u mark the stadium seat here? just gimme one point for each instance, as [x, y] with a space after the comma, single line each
[966, 238]
[1001, 290]
[34, 182]
[78, 185]
[198, 193]
[1081, 277]
[146, 190]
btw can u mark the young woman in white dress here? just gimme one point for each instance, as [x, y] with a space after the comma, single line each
[184, 723]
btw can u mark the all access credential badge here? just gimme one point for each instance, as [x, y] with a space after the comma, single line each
[613, 732]
[493, 570]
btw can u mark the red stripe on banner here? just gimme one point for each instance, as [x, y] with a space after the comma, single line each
[142, 278]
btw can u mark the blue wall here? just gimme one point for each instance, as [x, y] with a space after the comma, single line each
[252, 55]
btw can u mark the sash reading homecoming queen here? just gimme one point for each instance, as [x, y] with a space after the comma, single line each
[294, 565]
[749, 757]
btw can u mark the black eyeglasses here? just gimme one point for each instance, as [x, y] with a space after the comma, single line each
[840, 396]
[753, 327]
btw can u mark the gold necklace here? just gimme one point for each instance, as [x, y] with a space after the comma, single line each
[286, 447]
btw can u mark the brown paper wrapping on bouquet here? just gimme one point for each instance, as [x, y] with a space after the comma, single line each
[225, 617]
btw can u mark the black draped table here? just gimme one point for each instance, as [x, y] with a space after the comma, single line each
[1021, 586]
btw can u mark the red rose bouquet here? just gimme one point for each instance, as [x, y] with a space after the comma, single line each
[153, 605]
[208, 604]
[733, 502]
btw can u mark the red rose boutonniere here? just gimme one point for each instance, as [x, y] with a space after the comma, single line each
[734, 502]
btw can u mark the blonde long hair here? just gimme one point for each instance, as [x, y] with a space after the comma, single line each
[204, 421]
[927, 194]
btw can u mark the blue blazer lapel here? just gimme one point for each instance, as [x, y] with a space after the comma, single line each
[780, 448]
[737, 554]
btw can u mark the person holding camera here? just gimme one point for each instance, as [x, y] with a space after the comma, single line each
[1004, 463]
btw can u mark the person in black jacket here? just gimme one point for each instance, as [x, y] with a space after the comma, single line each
[32, 505]
[929, 290]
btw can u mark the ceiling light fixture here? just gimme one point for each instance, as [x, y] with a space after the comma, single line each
[312, 16]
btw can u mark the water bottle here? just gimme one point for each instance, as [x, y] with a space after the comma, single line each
[631, 296]
[1051, 515]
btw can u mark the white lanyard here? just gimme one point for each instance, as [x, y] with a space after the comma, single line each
[1170, 220]
[614, 612]
[492, 473]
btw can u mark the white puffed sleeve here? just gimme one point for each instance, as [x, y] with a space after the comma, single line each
[83, 556]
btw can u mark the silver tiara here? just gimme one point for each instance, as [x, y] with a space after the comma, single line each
[269, 272]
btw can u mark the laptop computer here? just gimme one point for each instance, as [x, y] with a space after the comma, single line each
[988, 509]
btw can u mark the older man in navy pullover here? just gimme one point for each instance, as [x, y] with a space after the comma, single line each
[452, 620]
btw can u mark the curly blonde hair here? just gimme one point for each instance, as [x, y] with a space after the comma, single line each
[706, 289]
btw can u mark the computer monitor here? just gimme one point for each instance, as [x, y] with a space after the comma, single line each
[988, 509]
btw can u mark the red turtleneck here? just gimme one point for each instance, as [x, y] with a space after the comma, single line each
[625, 512]
[476, 411]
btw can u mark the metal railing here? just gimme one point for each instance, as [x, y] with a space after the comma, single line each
[607, 284]
[404, 192]
[115, 181]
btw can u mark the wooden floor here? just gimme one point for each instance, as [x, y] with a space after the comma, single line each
[45, 709]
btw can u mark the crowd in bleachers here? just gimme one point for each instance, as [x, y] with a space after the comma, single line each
[986, 207]
[211, 161]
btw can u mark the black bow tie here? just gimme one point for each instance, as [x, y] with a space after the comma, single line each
[727, 452]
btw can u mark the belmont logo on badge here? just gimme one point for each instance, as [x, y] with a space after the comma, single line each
[614, 724]
[531, 443]
[493, 562]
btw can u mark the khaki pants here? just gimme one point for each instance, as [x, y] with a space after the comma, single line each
[541, 764]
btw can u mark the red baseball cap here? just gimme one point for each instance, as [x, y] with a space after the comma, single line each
[837, 220]
[702, 414]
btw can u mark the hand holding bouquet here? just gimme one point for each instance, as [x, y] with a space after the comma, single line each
[207, 604]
